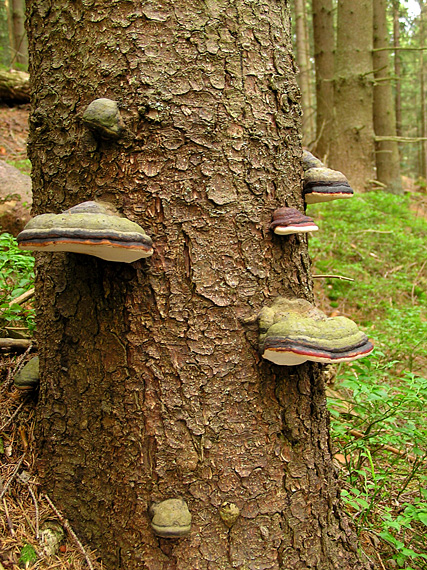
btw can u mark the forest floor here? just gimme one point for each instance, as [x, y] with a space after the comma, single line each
[369, 413]
[13, 136]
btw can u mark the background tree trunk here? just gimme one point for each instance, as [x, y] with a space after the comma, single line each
[423, 104]
[304, 76]
[353, 151]
[151, 382]
[397, 67]
[4, 36]
[323, 37]
[20, 43]
[386, 152]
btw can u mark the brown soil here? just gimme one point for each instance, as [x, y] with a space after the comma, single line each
[14, 132]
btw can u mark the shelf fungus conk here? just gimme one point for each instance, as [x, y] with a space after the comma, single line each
[291, 221]
[89, 228]
[103, 116]
[28, 377]
[170, 518]
[293, 331]
[322, 184]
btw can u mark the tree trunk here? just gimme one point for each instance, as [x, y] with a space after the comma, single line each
[152, 386]
[20, 43]
[423, 105]
[303, 60]
[353, 151]
[4, 36]
[323, 34]
[397, 67]
[387, 152]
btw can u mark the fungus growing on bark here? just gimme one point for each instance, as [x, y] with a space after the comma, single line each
[291, 221]
[89, 228]
[28, 377]
[103, 116]
[229, 513]
[322, 184]
[170, 518]
[293, 331]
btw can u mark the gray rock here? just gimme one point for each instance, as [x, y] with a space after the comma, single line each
[15, 199]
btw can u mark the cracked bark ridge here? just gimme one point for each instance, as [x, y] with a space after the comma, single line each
[152, 386]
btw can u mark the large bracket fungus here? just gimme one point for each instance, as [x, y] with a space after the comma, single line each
[322, 184]
[103, 116]
[170, 518]
[293, 331]
[89, 228]
[291, 221]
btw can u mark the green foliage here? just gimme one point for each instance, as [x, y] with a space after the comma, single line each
[16, 277]
[374, 239]
[378, 420]
[381, 435]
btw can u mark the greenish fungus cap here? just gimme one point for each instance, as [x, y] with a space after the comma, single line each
[89, 228]
[28, 377]
[310, 161]
[170, 518]
[293, 331]
[103, 115]
[322, 184]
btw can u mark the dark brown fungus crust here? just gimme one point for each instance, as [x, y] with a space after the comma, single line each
[322, 184]
[291, 221]
[293, 331]
[89, 228]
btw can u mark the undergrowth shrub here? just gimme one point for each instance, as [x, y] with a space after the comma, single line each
[16, 277]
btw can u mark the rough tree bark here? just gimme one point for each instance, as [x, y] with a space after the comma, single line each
[353, 151]
[151, 382]
[324, 44]
[386, 152]
[303, 60]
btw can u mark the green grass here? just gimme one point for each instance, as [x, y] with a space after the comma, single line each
[23, 165]
[378, 404]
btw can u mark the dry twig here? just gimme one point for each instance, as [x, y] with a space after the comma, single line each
[70, 531]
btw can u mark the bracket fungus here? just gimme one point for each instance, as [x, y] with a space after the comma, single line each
[293, 331]
[291, 221]
[170, 518]
[90, 228]
[28, 377]
[103, 116]
[322, 184]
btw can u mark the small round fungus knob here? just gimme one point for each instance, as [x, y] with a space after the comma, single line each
[229, 513]
[28, 377]
[291, 221]
[293, 331]
[103, 116]
[89, 228]
[170, 518]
